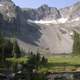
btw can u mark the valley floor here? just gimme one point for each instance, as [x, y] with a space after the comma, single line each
[56, 63]
[62, 63]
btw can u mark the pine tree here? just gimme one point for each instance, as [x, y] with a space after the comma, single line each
[76, 44]
[38, 57]
[16, 50]
[44, 61]
[8, 46]
[2, 40]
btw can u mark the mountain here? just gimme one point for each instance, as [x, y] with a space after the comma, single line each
[43, 12]
[47, 29]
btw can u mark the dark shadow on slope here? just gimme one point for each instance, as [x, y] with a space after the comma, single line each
[26, 32]
[30, 34]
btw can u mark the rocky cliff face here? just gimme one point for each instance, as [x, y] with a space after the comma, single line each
[46, 28]
[43, 12]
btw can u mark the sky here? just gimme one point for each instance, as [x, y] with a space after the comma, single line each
[37, 3]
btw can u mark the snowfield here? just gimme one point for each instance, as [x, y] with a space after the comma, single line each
[58, 21]
[1, 5]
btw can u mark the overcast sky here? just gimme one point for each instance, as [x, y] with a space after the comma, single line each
[51, 3]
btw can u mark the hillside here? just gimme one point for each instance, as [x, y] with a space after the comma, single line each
[47, 29]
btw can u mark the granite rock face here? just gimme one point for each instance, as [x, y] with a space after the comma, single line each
[43, 12]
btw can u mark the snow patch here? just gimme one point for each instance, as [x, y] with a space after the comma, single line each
[1, 5]
[58, 21]
[61, 20]
[45, 22]
[8, 14]
[71, 33]
[77, 19]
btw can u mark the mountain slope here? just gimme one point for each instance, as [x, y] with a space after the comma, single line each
[47, 29]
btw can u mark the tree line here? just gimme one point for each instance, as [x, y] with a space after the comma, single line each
[76, 44]
[27, 71]
[9, 48]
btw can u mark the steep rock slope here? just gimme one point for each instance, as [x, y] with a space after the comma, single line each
[43, 12]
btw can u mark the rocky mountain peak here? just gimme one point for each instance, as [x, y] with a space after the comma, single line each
[77, 3]
[46, 12]
[74, 11]
[5, 0]
[7, 9]
[44, 6]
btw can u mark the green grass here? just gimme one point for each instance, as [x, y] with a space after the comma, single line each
[58, 63]
[70, 60]
[55, 63]
[18, 60]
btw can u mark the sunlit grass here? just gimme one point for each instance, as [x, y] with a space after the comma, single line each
[73, 60]
[18, 60]
[55, 63]
[58, 63]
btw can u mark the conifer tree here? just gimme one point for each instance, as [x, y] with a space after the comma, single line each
[44, 61]
[76, 44]
[8, 46]
[1, 46]
[16, 50]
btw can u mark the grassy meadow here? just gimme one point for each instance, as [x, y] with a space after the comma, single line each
[55, 63]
